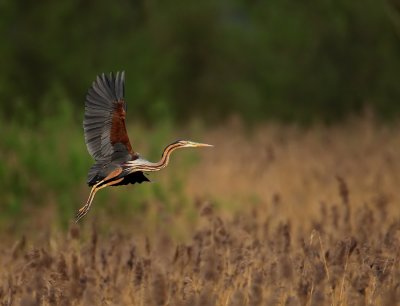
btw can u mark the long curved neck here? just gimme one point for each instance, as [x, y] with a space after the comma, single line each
[163, 162]
[144, 165]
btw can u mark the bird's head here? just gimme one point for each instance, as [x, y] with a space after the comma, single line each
[191, 144]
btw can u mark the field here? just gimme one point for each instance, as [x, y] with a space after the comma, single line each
[273, 215]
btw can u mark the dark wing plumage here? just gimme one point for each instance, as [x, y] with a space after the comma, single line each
[104, 122]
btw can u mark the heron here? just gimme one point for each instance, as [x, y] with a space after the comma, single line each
[107, 141]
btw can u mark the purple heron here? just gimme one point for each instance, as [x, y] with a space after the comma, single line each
[106, 138]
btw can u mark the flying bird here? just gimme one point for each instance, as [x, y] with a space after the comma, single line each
[106, 138]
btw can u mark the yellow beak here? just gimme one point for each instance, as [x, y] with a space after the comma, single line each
[198, 144]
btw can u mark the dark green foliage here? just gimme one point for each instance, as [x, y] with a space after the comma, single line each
[296, 61]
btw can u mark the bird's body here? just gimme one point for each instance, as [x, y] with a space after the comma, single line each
[107, 140]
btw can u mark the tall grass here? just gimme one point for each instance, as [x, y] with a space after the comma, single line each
[271, 216]
[250, 259]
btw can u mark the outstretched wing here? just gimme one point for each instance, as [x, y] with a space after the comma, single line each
[104, 121]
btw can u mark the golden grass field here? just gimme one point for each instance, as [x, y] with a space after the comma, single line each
[276, 216]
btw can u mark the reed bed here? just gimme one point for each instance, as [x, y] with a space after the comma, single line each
[278, 216]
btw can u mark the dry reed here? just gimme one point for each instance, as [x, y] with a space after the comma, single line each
[286, 217]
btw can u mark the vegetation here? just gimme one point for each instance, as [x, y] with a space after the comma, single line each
[348, 259]
[308, 61]
[280, 215]
[284, 210]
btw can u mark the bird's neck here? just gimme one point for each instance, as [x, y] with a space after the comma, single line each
[163, 162]
[146, 166]
[154, 166]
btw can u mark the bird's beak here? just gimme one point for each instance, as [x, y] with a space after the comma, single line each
[198, 144]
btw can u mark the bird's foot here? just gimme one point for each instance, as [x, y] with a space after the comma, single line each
[81, 213]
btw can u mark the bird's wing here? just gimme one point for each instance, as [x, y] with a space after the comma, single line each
[104, 121]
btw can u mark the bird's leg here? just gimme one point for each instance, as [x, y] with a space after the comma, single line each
[92, 191]
[91, 196]
[83, 210]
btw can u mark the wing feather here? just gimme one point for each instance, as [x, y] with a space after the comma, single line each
[104, 121]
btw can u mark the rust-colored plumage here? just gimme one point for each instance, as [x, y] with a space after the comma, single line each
[118, 132]
[106, 138]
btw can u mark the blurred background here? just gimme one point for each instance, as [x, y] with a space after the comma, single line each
[190, 66]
